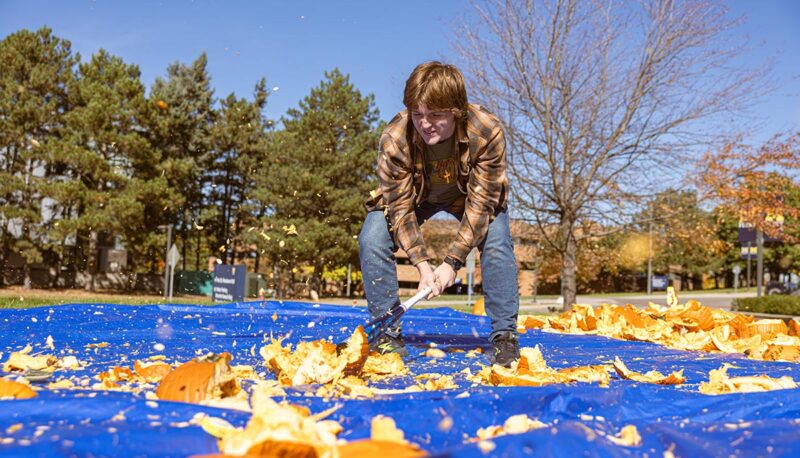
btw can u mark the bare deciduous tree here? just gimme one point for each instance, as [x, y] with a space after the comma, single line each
[602, 102]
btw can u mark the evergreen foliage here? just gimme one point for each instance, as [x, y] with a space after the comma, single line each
[320, 170]
[35, 72]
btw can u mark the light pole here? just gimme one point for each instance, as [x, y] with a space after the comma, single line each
[168, 228]
[650, 261]
[759, 262]
[536, 273]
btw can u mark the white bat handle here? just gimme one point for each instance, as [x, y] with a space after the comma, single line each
[417, 297]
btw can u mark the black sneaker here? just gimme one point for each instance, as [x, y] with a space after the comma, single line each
[506, 348]
[388, 343]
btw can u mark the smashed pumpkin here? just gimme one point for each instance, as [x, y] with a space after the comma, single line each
[719, 382]
[532, 370]
[767, 329]
[21, 361]
[675, 378]
[690, 326]
[316, 362]
[782, 353]
[281, 427]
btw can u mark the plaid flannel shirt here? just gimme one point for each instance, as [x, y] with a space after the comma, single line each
[481, 177]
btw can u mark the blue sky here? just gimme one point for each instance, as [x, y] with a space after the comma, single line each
[293, 42]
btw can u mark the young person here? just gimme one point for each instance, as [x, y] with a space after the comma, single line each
[441, 154]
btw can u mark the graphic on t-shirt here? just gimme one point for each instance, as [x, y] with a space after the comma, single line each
[443, 171]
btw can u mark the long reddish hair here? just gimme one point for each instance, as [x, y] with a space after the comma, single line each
[438, 86]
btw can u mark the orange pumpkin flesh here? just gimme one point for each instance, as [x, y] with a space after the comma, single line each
[283, 449]
[383, 449]
[358, 449]
[356, 352]
[794, 327]
[153, 372]
[15, 390]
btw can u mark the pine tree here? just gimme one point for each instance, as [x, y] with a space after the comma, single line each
[102, 147]
[182, 134]
[35, 70]
[320, 171]
[237, 153]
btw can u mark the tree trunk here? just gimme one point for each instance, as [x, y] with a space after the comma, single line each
[280, 284]
[316, 280]
[569, 266]
[3, 257]
[184, 238]
[26, 269]
[199, 240]
[91, 261]
[59, 263]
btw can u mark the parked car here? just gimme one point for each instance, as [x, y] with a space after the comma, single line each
[779, 287]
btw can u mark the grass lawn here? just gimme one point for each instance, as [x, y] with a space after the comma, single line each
[16, 297]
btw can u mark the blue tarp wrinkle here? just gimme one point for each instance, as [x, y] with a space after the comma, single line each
[678, 419]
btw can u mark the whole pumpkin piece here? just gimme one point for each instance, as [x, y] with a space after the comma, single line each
[200, 379]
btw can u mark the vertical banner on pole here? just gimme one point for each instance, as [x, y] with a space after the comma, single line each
[173, 257]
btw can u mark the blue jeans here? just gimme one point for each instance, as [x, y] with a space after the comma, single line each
[498, 268]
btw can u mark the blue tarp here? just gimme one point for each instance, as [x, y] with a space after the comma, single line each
[679, 419]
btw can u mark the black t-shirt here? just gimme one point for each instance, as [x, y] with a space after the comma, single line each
[441, 167]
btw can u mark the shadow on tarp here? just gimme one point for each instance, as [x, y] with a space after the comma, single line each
[89, 423]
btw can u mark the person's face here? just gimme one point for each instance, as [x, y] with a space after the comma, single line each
[433, 126]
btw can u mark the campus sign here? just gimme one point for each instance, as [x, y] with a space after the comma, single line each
[659, 282]
[747, 231]
[749, 253]
[229, 283]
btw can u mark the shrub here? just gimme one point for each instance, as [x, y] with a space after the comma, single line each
[776, 304]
